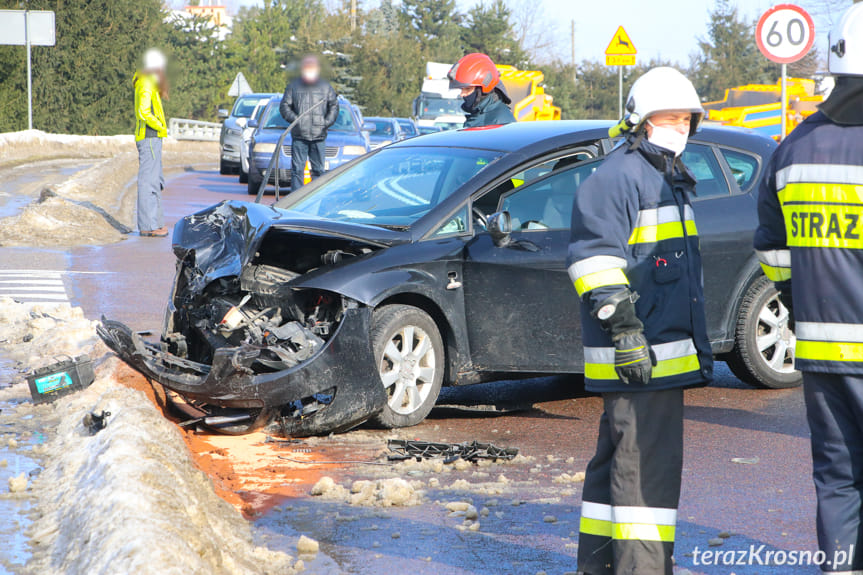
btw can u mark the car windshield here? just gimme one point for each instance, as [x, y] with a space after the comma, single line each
[382, 128]
[408, 127]
[344, 122]
[431, 107]
[244, 106]
[394, 187]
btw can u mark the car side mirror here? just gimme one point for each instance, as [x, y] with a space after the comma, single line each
[368, 127]
[252, 123]
[223, 113]
[242, 122]
[499, 227]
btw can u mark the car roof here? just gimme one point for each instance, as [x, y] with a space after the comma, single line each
[381, 119]
[522, 135]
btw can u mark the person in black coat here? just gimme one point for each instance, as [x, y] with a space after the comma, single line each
[309, 92]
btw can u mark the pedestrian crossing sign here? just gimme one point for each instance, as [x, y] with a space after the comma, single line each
[621, 51]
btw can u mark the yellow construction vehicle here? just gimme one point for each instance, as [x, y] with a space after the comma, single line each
[758, 106]
[529, 100]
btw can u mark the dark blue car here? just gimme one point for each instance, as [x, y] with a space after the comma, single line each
[346, 140]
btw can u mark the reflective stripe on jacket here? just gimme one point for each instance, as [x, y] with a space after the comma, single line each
[811, 233]
[633, 225]
[148, 108]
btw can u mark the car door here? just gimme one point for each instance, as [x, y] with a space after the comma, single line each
[522, 310]
[726, 216]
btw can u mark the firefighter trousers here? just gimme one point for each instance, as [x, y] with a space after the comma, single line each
[632, 486]
[834, 409]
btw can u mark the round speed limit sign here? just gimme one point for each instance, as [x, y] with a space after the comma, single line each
[785, 33]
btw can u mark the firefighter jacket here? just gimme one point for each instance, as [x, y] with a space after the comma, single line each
[633, 226]
[149, 116]
[811, 233]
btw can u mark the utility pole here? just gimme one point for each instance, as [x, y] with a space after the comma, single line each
[353, 15]
[572, 40]
[29, 71]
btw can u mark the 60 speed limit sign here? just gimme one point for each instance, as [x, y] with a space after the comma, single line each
[785, 33]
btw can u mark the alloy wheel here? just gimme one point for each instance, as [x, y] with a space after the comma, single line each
[407, 369]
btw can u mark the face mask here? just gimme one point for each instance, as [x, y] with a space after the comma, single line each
[667, 138]
[310, 76]
[470, 101]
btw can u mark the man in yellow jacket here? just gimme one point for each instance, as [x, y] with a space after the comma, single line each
[150, 128]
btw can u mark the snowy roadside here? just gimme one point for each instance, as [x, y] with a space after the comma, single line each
[127, 499]
[92, 206]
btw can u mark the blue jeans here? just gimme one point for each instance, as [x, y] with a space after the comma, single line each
[151, 182]
[302, 150]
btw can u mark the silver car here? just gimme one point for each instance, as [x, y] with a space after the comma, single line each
[231, 137]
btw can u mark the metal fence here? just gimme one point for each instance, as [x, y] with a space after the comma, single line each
[194, 130]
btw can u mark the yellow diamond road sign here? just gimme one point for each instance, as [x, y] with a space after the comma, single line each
[621, 51]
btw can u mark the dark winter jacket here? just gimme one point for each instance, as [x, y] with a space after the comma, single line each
[490, 111]
[299, 97]
[810, 234]
[633, 226]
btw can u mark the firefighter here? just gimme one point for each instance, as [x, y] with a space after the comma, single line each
[810, 242]
[485, 99]
[635, 262]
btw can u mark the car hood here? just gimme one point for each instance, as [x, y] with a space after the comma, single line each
[219, 241]
[337, 139]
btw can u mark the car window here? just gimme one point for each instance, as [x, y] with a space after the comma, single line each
[394, 187]
[408, 128]
[546, 204]
[344, 122]
[244, 106]
[489, 202]
[744, 168]
[455, 225]
[703, 164]
[382, 128]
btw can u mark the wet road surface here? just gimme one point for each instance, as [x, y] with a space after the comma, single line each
[767, 500]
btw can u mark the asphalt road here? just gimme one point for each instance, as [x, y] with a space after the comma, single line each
[768, 499]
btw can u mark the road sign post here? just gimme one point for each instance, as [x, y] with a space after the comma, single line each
[27, 28]
[620, 52]
[785, 34]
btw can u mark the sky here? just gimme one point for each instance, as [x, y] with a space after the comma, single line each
[667, 29]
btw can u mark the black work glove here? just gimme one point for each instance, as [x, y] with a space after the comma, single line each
[785, 297]
[633, 358]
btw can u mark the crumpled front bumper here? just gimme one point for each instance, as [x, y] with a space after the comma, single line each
[344, 367]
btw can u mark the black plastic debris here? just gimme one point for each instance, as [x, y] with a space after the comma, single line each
[61, 378]
[403, 449]
[96, 422]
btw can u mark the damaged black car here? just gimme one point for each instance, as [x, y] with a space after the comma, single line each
[434, 261]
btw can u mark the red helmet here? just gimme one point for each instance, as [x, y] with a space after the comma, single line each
[474, 70]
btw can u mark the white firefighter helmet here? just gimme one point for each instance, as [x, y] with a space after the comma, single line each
[154, 59]
[846, 44]
[662, 89]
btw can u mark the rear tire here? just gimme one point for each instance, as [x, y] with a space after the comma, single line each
[763, 353]
[409, 355]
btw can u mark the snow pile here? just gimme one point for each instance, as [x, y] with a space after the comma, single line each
[35, 335]
[31, 145]
[390, 492]
[133, 489]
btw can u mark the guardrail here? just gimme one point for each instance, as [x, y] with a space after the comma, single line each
[194, 130]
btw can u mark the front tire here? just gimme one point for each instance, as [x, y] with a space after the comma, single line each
[225, 169]
[410, 357]
[763, 353]
[244, 177]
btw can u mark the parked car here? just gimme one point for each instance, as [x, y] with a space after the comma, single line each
[248, 132]
[409, 127]
[423, 130]
[231, 137]
[385, 132]
[434, 261]
[346, 140]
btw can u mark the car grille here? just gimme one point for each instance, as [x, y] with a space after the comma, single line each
[331, 151]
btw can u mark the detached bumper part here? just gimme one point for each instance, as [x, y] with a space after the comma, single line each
[343, 370]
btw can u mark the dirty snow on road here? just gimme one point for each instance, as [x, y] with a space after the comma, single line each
[126, 499]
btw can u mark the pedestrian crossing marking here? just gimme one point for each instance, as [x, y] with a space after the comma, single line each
[33, 286]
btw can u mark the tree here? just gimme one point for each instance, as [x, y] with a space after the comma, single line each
[729, 56]
[434, 25]
[488, 29]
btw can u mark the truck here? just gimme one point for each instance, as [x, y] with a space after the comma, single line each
[438, 105]
[759, 106]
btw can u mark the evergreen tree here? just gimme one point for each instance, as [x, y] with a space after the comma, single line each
[488, 29]
[433, 24]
